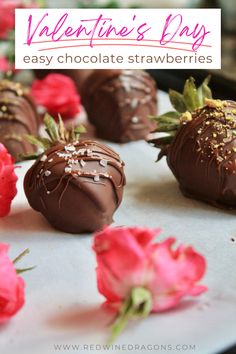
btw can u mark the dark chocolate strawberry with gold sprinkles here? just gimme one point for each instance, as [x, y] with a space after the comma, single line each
[18, 117]
[200, 144]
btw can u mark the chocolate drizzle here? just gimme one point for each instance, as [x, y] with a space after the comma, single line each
[76, 186]
[202, 155]
[18, 117]
[118, 103]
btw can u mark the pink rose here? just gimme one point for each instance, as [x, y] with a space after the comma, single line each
[7, 13]
[4, 64]
[144, 276]
[11, 287]
[126, 258]
[7, 18]
[8, 181]
[58, 94]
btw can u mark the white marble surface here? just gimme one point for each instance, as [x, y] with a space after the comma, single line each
[62, 303]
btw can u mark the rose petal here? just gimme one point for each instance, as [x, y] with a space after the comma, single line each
[127, 258]
[11, 287]
[8, 181]
[58, 94]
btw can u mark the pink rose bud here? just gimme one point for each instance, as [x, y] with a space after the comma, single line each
[11, 287]
[141, 276]
[8, 181]
[58, 95]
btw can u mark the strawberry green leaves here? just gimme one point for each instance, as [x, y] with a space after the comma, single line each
[184, 103]
[192, 97]
[56, 132]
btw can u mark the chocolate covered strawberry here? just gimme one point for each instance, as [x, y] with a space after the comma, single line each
[200, 144]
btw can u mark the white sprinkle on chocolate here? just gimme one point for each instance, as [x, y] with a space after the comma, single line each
[63, 155]
[43, 158]
[135, 120]
[125, 82]
[50, 160]
[68, 169]
[80, 151]
[103, 163]
[82, 163]
[96, 178]
[70, 148]
[134, 103]
[47, 173]
[89, 152]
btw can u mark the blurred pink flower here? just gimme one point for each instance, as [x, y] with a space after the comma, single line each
[11, 287]
[58, 95]
[8, 181]
[137, 276]
[4, 64]
[127, 258]
[7, 13]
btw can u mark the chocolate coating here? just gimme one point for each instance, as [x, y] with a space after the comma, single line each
[77, 187]
[118, 103]
[202, 155]
[18, 117]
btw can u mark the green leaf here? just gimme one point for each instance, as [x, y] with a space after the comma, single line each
[80, 129]
[204, 91]
[57, 132]
[51, 127]
[177, 101]
[191, 95]
[18, 258]
[29, 156]
[137, 305]
[21, 255]
[162, 142]
[170, 114]
[43, 143]
[46, 142]
[167, 122]
[185, 103]
[61, 128]
[34, 140]
[163, 127]
[23, 270]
